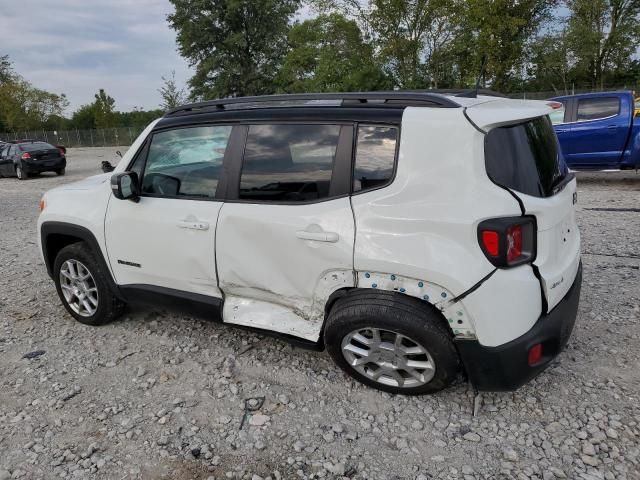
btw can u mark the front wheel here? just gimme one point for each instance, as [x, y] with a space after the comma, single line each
[83, 286]
[391, 342]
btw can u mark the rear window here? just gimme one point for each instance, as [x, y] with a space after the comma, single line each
[34, 147]
[596, 108]
[525, 158]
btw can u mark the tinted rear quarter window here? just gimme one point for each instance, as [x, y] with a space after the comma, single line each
[290, 163]
[595, 108]
[525, 157]
[375, 157]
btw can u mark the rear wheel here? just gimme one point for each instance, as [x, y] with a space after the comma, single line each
[83, 286]
[20, 173]
[391, 342]
[60, 172]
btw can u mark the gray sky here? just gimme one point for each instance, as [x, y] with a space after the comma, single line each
[78, 46]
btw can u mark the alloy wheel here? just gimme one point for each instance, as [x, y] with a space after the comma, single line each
[79, 288]
[388, 357]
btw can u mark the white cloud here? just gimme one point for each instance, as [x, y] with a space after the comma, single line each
[77, 47]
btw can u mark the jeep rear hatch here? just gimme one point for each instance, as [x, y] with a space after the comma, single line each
[523, 156]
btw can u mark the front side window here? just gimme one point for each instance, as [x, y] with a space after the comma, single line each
[185, 162]
[375, 157]
[596, 108]
[288, 163]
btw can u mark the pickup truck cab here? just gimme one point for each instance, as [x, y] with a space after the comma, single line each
[413, 236]
[598, 130]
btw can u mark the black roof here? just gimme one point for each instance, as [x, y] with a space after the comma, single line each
[307, 100]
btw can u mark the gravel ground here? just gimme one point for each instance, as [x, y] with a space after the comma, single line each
[161, 396]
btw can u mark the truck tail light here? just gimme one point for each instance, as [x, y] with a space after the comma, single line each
[508, 241]
[26, 156]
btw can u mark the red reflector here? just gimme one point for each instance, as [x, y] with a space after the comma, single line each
[491, 242]
[535, 354]
[25, 156]
[514, 243]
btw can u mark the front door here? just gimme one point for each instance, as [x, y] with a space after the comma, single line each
[167, 239]
[285, 237]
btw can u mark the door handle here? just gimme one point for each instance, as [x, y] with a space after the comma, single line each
[193, 225]
[330, 237]
[612, 127]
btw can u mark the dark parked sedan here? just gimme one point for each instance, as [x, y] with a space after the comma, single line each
[22, 159]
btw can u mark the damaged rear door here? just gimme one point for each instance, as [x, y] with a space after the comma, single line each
[285, 234]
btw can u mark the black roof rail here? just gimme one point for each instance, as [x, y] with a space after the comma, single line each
[397, 99]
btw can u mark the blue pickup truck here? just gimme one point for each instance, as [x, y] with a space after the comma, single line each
[598, 130]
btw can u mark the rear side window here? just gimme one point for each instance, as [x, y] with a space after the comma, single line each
[375, 157]
[291, 163]
[525, 158]
[185, 162]
[595, 108]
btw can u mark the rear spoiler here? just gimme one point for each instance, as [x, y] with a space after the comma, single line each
[498, 112]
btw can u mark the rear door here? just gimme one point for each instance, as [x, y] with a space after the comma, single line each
[286, 231]
[599, 133]
[524, 158]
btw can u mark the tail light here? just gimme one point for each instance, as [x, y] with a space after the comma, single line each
[26, 156]
[509, 241]
[62, 151]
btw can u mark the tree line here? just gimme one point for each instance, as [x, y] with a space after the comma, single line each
[24, 107]
[256, 47]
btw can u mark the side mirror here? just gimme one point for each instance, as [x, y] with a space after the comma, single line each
[125, 186]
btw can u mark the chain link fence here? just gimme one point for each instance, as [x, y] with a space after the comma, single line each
[105, 137]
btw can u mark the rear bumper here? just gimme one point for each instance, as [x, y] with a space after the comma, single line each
[36, 166]
[506, 367]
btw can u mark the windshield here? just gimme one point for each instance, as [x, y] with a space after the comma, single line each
[526, 158]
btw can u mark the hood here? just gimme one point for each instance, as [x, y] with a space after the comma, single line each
[87, 183]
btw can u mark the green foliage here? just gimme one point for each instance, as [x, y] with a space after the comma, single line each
[236, 46]
[329, 54]
[171, 95]
[22, 106]
[603, 36]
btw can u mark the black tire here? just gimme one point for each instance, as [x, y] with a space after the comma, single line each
[109, 306]
[60, 172]
[20, 173]
[393, 312]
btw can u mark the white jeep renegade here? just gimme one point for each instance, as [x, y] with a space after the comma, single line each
[412, 235]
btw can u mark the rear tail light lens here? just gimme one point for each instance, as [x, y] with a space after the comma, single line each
[508, 242]
[62, 151]
[26, 156]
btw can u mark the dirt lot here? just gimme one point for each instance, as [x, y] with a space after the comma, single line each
[158, 395]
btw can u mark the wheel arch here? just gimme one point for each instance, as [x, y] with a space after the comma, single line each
[55, 236]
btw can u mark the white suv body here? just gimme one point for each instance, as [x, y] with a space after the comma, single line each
[388, 206]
